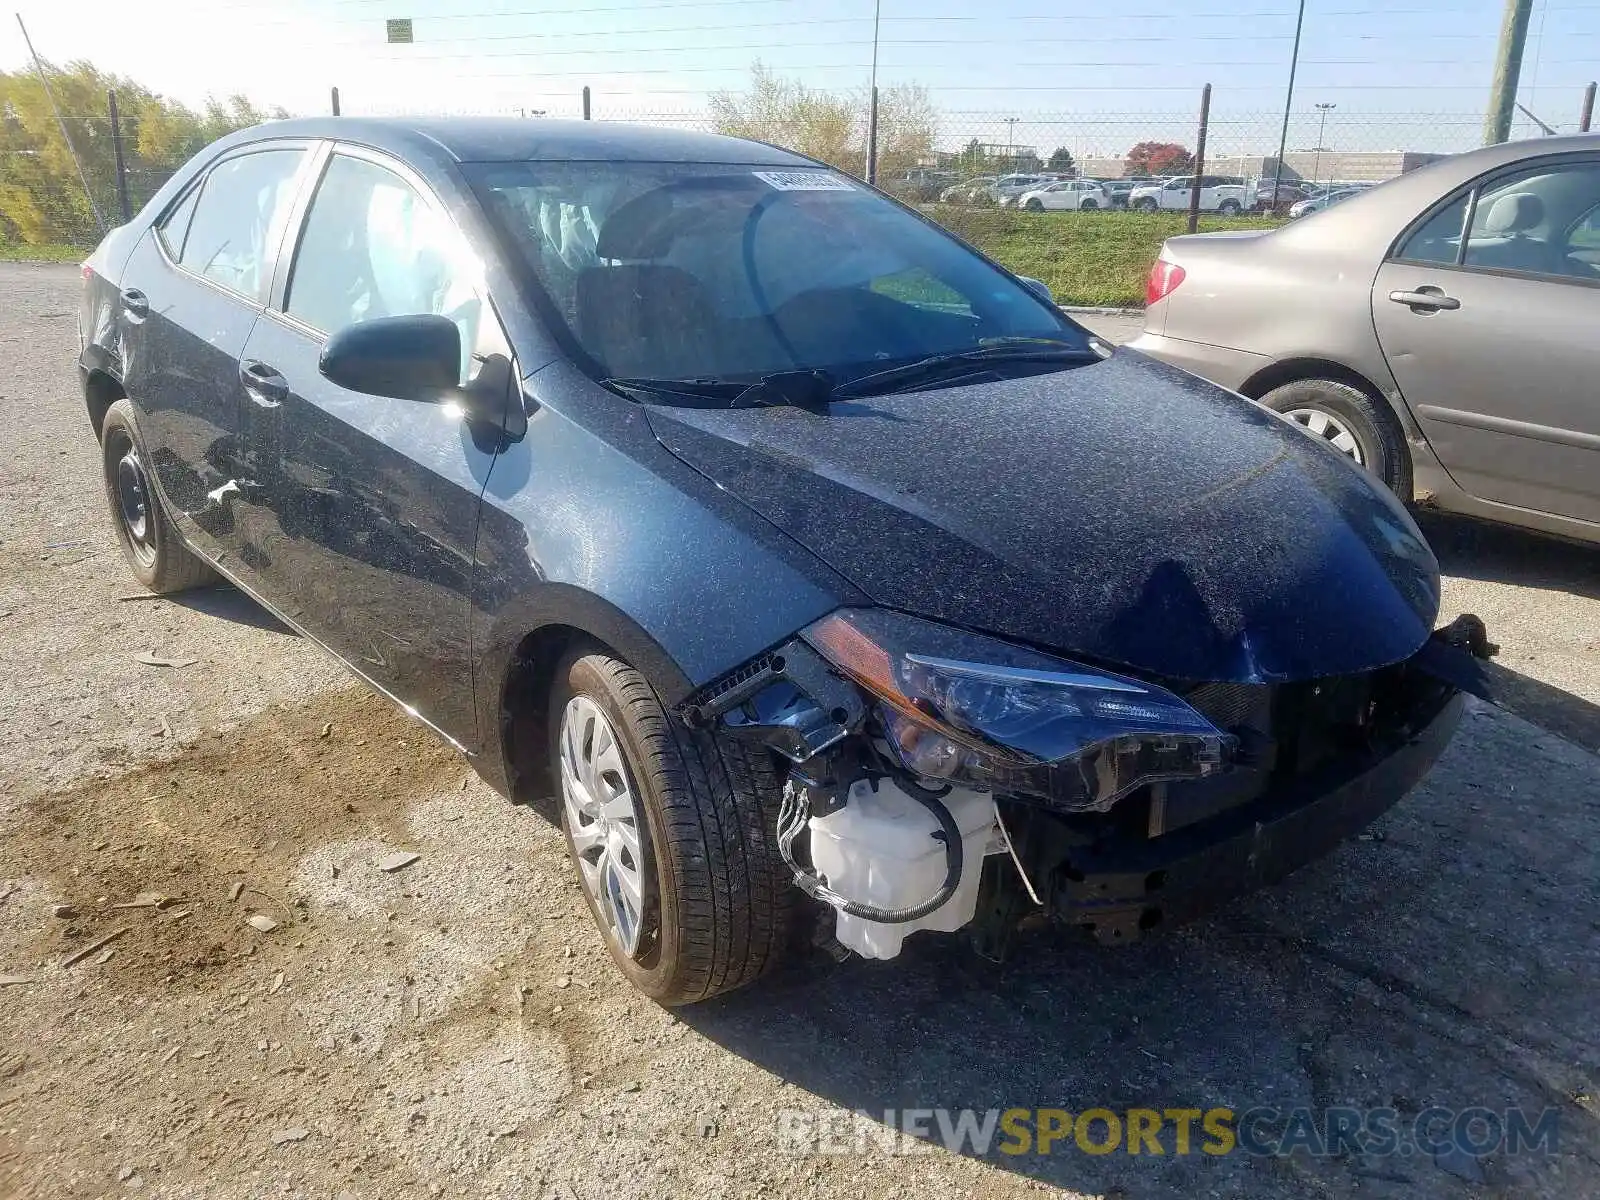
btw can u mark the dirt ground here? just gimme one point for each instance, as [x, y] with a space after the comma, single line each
[453, 1027]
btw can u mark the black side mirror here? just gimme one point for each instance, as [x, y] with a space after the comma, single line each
[408, 358]
[1038, 287]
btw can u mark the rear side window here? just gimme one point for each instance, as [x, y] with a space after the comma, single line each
[176, 227]
[1439, 238]
[241, 208]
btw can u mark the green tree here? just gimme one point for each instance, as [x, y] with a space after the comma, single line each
[1060, 161]
[41, 196]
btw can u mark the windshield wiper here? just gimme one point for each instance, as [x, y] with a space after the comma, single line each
[799, 389]
[1023, 350]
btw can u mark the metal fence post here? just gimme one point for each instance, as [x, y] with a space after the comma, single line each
[586, 102]
[336, 102]
[116, 148]
[1586, 116]
[1199, 157]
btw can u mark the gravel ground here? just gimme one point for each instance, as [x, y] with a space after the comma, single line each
[454, 1028]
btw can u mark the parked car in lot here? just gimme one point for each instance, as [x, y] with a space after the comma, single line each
[1321, 199]
[1071, 194]
[806, 563]
[968, 191]
[1439, 329]
[1226, 194]
[1118, 191]
[1009, 187]
[1279, 197]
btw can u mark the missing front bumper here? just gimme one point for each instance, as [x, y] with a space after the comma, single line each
[1119, 888]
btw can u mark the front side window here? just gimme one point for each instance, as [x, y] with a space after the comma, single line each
[373, 247]
[679, 270]
[232, 234]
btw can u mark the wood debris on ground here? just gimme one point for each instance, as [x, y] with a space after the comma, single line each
[398, 860]
[79, 955]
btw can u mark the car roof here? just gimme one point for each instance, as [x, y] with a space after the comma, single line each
[513, 139]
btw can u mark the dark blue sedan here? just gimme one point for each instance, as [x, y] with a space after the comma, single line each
[811, 566]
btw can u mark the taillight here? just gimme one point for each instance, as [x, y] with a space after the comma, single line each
[1164, 280]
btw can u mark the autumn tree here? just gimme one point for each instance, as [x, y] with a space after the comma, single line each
[1157, 158]
[41, 196]
[827, 125]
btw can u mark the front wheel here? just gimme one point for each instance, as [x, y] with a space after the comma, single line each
[1034, 206]
[673, 833]
[1352, 422]
[150, 542]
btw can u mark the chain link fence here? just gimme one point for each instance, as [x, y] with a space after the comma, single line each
[61, 196]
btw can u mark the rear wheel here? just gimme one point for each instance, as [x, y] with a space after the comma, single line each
[673, 833]
[1089, 206]
[1229, 208]
[151, 544]
[1145, 204]
[1352, 422]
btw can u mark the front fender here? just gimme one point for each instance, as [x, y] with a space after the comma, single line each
[588, 522]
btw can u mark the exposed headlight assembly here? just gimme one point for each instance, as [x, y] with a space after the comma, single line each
[982, 713]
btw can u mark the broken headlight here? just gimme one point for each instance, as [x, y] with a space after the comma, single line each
[982, 713]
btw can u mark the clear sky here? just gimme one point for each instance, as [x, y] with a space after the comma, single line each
[1403, 74]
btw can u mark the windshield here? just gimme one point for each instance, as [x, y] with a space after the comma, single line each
[709, 271]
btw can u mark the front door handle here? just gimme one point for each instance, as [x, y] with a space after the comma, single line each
[262, 383]
[135, 303]
[1426, 298]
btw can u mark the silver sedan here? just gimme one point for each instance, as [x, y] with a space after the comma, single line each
[1440, 329]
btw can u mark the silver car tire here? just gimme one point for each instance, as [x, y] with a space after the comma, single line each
[1352, 422]
[672, 833]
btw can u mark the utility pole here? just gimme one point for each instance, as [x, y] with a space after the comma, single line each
[872, 99]
[66, 137]
[1587, 114]
[1507, 68]
[1288, 104]
[1322, 128]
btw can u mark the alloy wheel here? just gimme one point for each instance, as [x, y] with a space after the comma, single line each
[603, 820]
[1330, 429]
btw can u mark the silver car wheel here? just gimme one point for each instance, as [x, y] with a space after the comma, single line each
[603, 821]
[1330, 429]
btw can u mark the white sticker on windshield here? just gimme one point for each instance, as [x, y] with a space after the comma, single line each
[805, 181]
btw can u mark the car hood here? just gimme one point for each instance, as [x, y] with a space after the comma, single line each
[1122, 511]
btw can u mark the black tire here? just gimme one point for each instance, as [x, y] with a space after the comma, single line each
[1145, 204]
[1034, 205]
[154, 548]
[719, 901]
[1088, 206]
[1229, 208]
[1370, 421]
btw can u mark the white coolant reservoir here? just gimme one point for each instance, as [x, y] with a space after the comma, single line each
[879, 849]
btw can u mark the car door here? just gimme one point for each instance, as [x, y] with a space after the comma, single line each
[1486, 311]
[362, 530]
[193, 288]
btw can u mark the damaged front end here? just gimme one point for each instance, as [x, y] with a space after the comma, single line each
[945, 780]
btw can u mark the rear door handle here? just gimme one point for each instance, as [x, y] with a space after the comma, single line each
[135, 303]
[1426, 298]
[262, 383]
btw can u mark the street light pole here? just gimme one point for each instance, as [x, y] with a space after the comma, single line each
[1011, 128]
[1288, 103]
[1322, 127]
[872, 99]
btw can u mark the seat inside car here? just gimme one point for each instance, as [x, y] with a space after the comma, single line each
[1507, 242]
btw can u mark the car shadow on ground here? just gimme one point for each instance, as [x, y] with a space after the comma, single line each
[1446, 958]
[228, 603]
[1474, 549]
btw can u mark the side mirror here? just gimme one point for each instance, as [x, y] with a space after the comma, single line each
[407, 358]
[1038, 287]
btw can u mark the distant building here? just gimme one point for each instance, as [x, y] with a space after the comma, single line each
[1345, 166]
